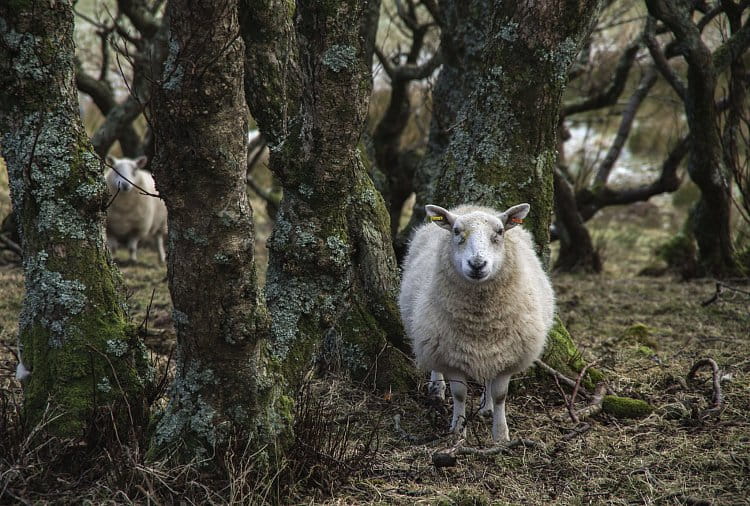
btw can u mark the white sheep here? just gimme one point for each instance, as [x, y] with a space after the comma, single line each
[476, 303]
[133, 216]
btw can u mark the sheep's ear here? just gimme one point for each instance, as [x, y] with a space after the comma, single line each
[514, 215]
[110, 160]
[140, 162]
[440, 217]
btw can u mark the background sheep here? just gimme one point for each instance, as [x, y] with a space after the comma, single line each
[133, 216]
[476, 303]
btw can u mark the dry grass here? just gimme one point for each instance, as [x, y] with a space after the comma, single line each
[350, 450]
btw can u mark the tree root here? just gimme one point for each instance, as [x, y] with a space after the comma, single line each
[448, 458]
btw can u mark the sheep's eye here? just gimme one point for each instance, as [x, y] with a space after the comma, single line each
[456, 231]
[499, 231]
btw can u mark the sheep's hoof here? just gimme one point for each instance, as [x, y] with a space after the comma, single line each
[436, 392]
[502, 439]
[485, 414]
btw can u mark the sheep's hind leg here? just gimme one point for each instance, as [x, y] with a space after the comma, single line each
[436, 387]
[499, 392]
[486, 403]
[133, 249]
[458, 392]
[160, 248]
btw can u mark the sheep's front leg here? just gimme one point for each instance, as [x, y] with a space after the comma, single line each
[458, 391]
[436, 388]
[113, 244]
[499, 391]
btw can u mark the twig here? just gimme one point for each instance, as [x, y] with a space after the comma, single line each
[718, 398]
[578, 381]
[568, 404]
[594, 406]
[560, 376]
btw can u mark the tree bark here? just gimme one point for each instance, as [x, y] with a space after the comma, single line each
[332, 277]
[225, 381]
[496, 106]
[88, 368]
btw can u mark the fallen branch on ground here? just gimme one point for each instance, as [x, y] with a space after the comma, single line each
[717, 399]
[720, 287]
[448, 458]
[594, 407]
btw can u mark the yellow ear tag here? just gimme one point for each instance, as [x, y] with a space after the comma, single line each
[516, 220]
[436, 218]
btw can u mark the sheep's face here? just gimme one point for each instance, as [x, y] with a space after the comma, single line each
[125, 170]
[477, 239]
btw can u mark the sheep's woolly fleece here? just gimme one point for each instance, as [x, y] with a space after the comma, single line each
[480, 329]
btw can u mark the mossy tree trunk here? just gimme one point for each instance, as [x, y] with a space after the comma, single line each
[710, 220]
[88, 368]
[332, 277]
[224, 383]
[496, 106]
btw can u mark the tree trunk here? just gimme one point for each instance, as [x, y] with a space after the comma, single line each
[576, 249]
[87, 366]
[496, 106]
[710, 217]
[224, 382]
[332, 278]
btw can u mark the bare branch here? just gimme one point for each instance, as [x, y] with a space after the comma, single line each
[385, 62]
[410, 72]
[628, 115]
[611, 94]
[589, 202]
[733, 48]
[660, 59]
[141, 17]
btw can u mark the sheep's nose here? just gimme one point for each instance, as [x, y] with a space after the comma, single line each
[477, 264]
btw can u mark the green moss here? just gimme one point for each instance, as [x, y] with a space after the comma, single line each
[465, 497]
[678, 251]
[645, 350]
[561, 354]
[640, 334]
[625, 407]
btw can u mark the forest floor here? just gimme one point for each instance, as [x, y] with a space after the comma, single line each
[645, 333]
